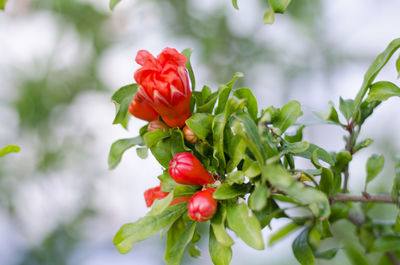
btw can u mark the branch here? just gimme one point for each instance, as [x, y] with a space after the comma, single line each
[379, 198]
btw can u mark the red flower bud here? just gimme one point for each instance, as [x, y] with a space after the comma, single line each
[186, 169]
[156, 125]
[202, 206]
[164, 84]
[190, 136]
[154, 193]
[142, 110]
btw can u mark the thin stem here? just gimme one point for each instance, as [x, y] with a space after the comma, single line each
[349, 147]
[366, 198]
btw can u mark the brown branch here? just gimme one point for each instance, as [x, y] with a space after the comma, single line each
[379, 198]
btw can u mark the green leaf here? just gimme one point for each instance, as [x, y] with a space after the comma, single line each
[218, 127]
[185, 190]
[288, 115]
[2, 4]
[297, 137]
[259, 197]
[200, 124]
[294, 148]
[398, 66]
[146, 227]
[326, 254]
[245, 225]
[283, 180]
[302, 250]
[355, 255]
[235, 5]
[279, 6]
[332, 115]
[269, 16]
[321, 154]
[235, 177]
[178, 142]
[363, 144]
[373, 71]
[251, 168]
[396, 181]
[119, 147]
[167, 183]
[218, 225]
[162, 152]
[223, 93]
[346, 108]
[9, 149]
[226, 191]
[160, 205]
[327, 181]
[220, 254]
[387, 243]
[245, 127]
[281, 233]
[142, 152]
[209, 102]
[177, 242]
[251, 101]
[193, 250]
[323, 228]
[236, 151]
[381, 91]
[122, 98]
[188, 52]
[374, 166]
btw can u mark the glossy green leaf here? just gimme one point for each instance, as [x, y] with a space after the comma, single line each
[185, 190]
[363, 144]
[220, 254]
[251, 168]
[269, 16]
[178, 142]
[284, 181]
[235, 5]
[146, 227]
[387, 243]
[160, 205]
[297, 137]
[188, 52]
[113, 3]
[346, 108]
[355, 255]
[245, 127]
[259, 197]
[209, 103]
[251, 101]
[193, 250]
[294, 148]
[162, 152]
[9, 149]
[374, 166]
[398, 66]
[279, 6]
[142, 152]
[323, 228]
[235, 177]
[326, 183]
[326, 254]
[245, 225]
[373, 71]
[151, 138]
[226, 191]
[218, 225]
[396, 181]
[200, 124]
[167, 183]
[236, 150]
[119, 147]
[224, 92]
[321, 154]
[122, 98]
[2, 4]
[332, 115]
[288, 115]
[382, 91]
[282, 232]
[302, 250]
[218, 127]
[177, 241]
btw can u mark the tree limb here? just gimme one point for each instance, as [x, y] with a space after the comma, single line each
[367, 198]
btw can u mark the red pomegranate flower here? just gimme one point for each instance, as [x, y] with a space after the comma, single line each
[164, 84]
[142, 110]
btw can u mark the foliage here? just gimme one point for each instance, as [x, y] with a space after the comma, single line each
[253, 157]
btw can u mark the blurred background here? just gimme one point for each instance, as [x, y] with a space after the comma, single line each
[61, 60]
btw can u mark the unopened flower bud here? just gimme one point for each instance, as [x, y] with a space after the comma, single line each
[156, 125]
[190, 136]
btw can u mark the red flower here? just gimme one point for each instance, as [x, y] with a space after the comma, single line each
[186, 169]
[164, 84]
[142, 110]
[154, 193]
[202, 206]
